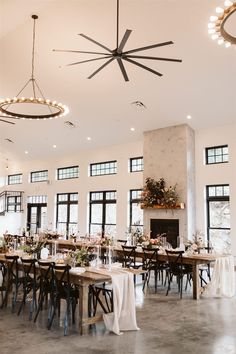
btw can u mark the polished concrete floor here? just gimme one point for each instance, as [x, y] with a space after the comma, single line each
[168, 325]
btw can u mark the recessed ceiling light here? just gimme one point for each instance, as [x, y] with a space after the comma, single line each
[132, 129]
[189, 117]
[54, 146]
[88, 138]
[26, 152]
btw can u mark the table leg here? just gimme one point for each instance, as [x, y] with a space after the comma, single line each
[83, 306]
[196, 285]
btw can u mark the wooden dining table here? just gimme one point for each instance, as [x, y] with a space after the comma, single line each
[195, 260]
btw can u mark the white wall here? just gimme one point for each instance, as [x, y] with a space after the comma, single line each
[215, 174]
[122, 182]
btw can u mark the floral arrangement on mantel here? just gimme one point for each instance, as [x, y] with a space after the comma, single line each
[156, 193]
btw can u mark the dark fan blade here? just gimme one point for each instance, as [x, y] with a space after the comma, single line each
[6, 121]
[149, 47]
[86, 61]
[92, 40]
[78, 51]
[122, 68]
[154, 58]
[142, 66]
[124, 40]
[101, 67]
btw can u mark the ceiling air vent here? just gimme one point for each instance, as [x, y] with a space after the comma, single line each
[9, 140]
[69, 124]
[139, 104]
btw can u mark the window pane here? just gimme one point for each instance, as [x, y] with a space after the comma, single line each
[111, 214]
[220, 241]
[110, 230]
[73, 213]
[44, 218]
[95, 229]
[219, 214]
[96, 213]
[137, 214]
[69, 172]
[61, 228]
[62, 213]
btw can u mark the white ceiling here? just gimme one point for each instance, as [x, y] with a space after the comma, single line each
[203, 85]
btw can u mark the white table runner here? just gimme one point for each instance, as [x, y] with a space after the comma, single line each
[123, 317]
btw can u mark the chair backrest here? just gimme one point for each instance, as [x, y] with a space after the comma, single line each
[45, 273]
[150, 257]
[121, 242]
[29, 270]
[129, 255]
[175, 261]
[61, 280]
[12, 267]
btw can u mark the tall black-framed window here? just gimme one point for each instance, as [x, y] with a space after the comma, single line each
[218, 216]
[103, 168]
[68, 172]
[67, 213]
[14, 179]
[136, 164]
[14, 204]
[39, 176]
[217, 154]
[102, 212]
[135, 212]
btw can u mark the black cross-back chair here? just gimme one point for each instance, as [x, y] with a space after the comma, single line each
[62, 288]
[152, 263]
[14, 280]
[30, 285]
[45, 284]
[3, 270]
[177, 268]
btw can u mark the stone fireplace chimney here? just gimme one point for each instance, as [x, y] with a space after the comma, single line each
[169, 153]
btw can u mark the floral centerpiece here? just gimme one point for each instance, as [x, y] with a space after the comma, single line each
[157, 193]
[197, 242]
[153, 242]
[80, 256]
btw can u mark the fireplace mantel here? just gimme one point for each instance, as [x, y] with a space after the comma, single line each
[177, 206]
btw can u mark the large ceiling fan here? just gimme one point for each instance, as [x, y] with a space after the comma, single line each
[118, 54]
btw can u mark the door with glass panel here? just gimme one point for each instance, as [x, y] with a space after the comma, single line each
[37, 213]
[37, 218]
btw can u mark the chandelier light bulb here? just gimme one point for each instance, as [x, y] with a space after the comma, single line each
[228, 3]
[213, 18]
[211, 31]
[220, 41]
[215, 36]
[219, 10]
[227, 44]
[211, 25]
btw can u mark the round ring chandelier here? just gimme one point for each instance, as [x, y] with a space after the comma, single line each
[55, 109]
[216, 26]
